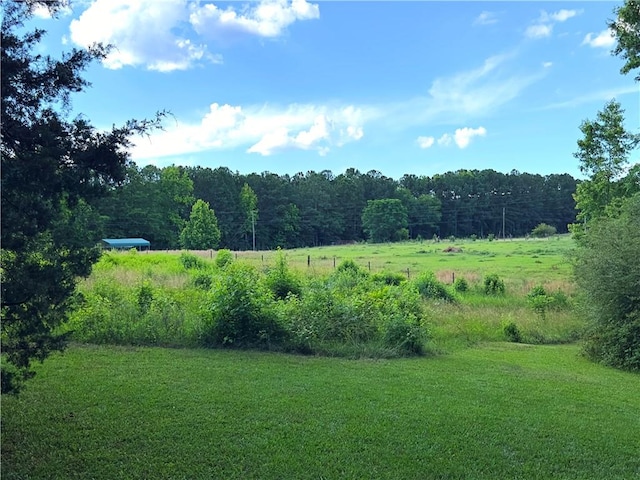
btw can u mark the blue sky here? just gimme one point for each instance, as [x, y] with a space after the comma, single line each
[399, 87]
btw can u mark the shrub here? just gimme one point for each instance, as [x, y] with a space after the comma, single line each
[190, 261]
[491, 237]
[543, 230]
[608, 274]
[144, 296]
[493, 285]
[241, 311]
[405, 337]
[389, 278]
[512, 332]
[473, 237]
[223, 258]
[461, 285]
[430, 288]
[281, 281]
[202, 281]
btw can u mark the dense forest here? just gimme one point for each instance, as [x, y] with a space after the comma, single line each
[320, 208]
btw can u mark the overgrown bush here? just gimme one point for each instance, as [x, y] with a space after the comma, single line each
[389, 278]
[607, 271]
[405, 337]
[281, 280]
[512, 332]
[543, 231]
[461, 285]
[223, 258]
[202, 280]
[431, 288]
[241, 311]
[190, 261]
[493, 285]
[539, 300]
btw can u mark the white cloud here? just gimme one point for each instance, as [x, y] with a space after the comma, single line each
[543, 26]
[426, 142]
[547, 64]
[262, 130]
[42, 11]
[268, 19]
[604, 39]
[539, 31]
[445, 140]
[142, 33]
[593, 97]
[485, 18]
[463, 136]
[563, 15]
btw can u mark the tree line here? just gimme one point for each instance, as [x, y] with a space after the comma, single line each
[320, 208]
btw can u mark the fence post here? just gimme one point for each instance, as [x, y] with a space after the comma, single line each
[408, 275]
[308, 260]
[334, 262]
[369, 266]
[453, 277]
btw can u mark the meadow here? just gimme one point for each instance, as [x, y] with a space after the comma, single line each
[490, 385]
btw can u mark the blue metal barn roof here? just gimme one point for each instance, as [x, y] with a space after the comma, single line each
[126, 242]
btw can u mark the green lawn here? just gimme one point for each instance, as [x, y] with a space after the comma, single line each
[497, 411]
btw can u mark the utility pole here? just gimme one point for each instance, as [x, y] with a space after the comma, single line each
[253, 228]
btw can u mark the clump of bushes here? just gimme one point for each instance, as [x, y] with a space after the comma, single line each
[543, 230]
[240, 311]
[190, 261]
[461, 285]
[223, 258]
[347, 313]
[389, 278]
[281, 281]
[493, 285]
[431, 288]
[512, 332]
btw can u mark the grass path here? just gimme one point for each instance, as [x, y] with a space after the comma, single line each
[498, 411]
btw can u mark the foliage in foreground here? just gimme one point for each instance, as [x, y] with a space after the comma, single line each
[608, 272]
[53, 170]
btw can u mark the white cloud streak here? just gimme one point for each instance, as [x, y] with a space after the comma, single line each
[486, 18]
[604, 39]
[543, 26]
[598, 96]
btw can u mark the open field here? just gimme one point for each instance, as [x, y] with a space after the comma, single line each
[522, 262]
[498, 411]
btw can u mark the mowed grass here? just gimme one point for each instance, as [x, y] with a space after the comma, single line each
[496, 411]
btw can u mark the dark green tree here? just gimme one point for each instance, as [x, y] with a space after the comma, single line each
[53, 169]
[626, 29]
[201, 231]
[385, 220]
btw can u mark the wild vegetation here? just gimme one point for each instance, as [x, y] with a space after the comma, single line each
[276, 301]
